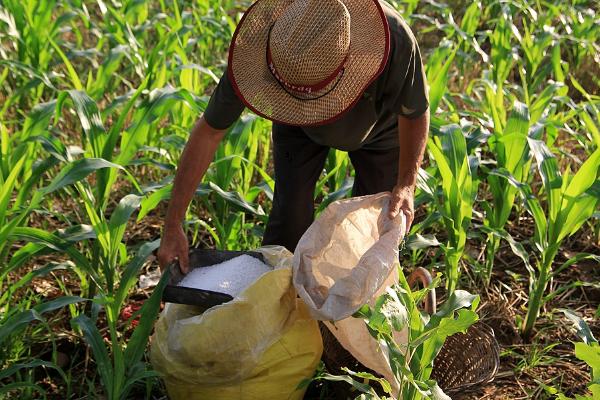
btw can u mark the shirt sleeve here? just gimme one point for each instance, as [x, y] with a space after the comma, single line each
[408, 82]
[224, 106]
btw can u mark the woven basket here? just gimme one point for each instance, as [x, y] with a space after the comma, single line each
[467, 360]
[464, 362]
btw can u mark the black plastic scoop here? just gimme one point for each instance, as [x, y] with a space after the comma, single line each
[199, 297]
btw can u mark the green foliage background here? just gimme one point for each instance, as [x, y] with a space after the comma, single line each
[97, 99]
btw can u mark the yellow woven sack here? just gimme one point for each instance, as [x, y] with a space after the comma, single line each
[261, 345]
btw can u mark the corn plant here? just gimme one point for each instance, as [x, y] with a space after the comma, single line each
[533, 41]
[579, 26]
[437, 69]
[570, 201]
[120, 363]
[21, 172]
[509, 145]
[540, 111]
[30, 24]
[502, 61]
[459, 190]
[411, 362]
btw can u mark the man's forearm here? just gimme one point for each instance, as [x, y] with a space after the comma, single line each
[195, 159]
[413, 140]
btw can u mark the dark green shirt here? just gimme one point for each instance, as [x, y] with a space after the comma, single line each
[371, 123]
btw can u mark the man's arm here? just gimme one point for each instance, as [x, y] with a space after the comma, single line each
[195, 159]
[413, 140]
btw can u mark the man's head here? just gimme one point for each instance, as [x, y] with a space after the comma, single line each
[305, 62]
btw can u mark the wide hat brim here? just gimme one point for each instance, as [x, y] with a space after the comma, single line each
[262, 93]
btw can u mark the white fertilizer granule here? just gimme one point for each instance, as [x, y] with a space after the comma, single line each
[230, 277]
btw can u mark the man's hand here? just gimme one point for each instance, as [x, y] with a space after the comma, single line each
[173, 245]
[402, 200]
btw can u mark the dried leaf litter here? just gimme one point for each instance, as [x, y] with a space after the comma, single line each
[231, 277]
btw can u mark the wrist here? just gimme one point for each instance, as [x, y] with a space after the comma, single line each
[407, 175]
[407, 181]
[171, 226]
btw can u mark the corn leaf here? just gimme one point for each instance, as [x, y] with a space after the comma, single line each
[20, 320]
[94, 340]
[138, 341]
[76, 171]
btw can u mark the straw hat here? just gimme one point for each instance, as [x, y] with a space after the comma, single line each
[305, 62]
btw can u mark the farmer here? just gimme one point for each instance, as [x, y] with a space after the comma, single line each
[343, 74]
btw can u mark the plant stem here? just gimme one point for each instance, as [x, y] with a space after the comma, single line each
[452, 260]
[536, 297]
[492, 247]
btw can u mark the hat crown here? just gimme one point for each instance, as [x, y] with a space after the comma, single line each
[310, 40]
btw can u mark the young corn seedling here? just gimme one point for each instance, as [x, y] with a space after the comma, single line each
[98, 258]
[570, 200]
[119, 363]
[502, 61]
[509, 145]
[509, 142]
[459, 190]
[100, 261]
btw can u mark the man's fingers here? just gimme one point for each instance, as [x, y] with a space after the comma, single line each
[163, 260]
[394, 205]
[184, 262]
[409, 220]
[401, 200]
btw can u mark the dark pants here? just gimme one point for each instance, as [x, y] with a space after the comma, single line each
[299, 163]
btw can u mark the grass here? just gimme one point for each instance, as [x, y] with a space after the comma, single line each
[97, 99]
